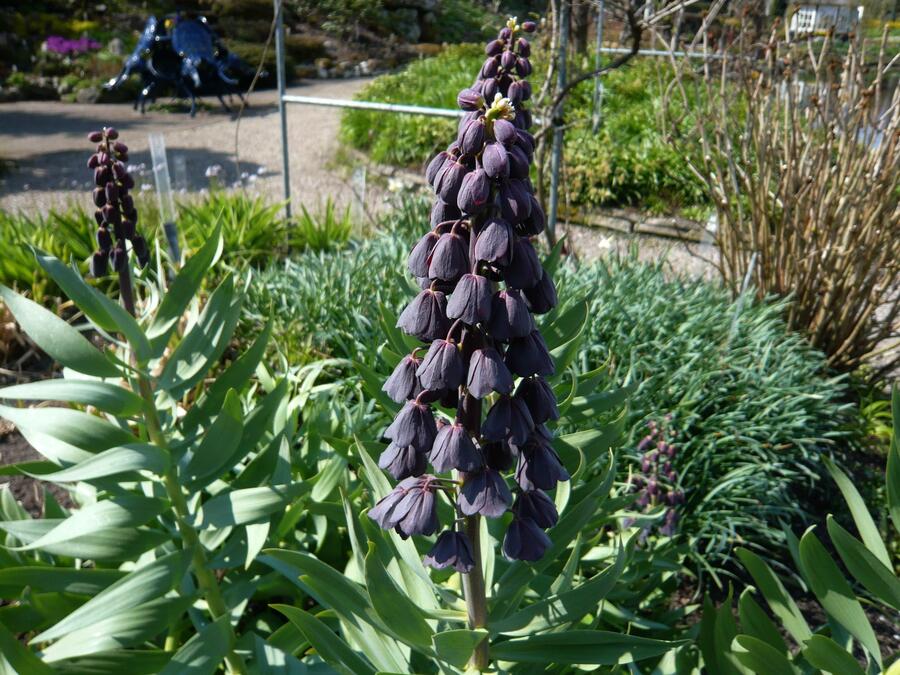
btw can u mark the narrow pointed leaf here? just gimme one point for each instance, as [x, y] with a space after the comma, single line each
[761, 657]
[202, 654]
[73, 427]
[867, 528]
[393, 606]
[218, 444]
[879, 580]
[756, 623]
[239, 507]
[456, 646]
[778, 599]
[103, 395]
[17, 659]
[55, 579]
[115, 662]
[333, 650]
[594, 647]
[123, 459]
[825, 654]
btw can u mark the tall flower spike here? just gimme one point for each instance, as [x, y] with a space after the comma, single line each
[482, 283]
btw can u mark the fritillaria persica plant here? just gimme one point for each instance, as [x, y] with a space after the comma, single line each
[475, 399]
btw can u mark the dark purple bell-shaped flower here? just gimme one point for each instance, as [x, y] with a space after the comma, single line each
[539, 466]
[494, 242]
[449, 258]
[435, 165]
[442, 367]
[488, 373]
[519, 165]
[525, 540]
[490, 67]
[542, 296]
[418, 257]
[539, 398]
[524, 269]
[509, 418]
[533, 225]
[403, 385]
[523, 47]
[442, 212]
[510, 317]
[471, 137]
[505, 132]
[449, 180]
[484, 492]
[410, 507]
[536, 505]
[498, 455]
[493, 48]
[474, 192]
[403, 462]
[489, 88]
[515, 200]
[514, 93]
[454, 449]
[523, 67]
[452, 549]
[507, 60]
[529, 356]
[495, 160]
[529, 26]
[414, 425]
[426, 316]
[471, 300]
[469, 100]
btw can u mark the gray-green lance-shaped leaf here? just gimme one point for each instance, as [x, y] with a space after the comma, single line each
[56, 337]
[756, 623]
[202, 654]
[867, 569]
[239, 507]
[102, 395]
[115, 662]
[837, 597]
[333, 650]
[46, 579]
[16, 658]
[456, 646]
[825, 654]
[84, 431]
[761, 657]
[112, 462]
[218, 443]
[111, 544]
[142, 585]
[593, 647]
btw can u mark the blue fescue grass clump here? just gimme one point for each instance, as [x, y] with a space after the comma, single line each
[753, 404]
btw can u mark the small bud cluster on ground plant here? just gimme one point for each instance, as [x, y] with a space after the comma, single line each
[483, 361]
[655, 483]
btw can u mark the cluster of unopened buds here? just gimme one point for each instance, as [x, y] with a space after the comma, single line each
[481, 283]
[655, 483]
[116, 215]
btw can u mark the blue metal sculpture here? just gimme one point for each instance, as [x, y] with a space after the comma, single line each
[184, 57]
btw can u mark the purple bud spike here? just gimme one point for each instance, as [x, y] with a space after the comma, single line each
[470, 100]
[474, 193]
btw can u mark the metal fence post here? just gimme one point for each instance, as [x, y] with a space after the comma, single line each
[598, 87]
[556, 159]
[282, 113]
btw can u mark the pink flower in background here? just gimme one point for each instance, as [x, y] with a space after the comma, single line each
[68, 47]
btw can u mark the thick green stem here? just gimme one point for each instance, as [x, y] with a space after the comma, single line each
[476, 596]
[190, 540]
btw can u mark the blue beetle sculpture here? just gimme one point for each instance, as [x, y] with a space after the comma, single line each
[185, 57]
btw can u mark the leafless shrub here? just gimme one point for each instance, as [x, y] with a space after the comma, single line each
[798, 144]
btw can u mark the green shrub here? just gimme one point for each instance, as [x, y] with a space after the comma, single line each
[626, 163]
[753, 405]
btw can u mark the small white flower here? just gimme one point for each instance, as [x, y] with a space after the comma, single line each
[262, 171]
[145, 187]
[213, 171]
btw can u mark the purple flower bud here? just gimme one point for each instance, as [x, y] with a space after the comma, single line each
[536, 505]
[99, 196]
[449, 258]
[102, 176]
[426, 316]
[523, 67]
[529, 356]
[414, 425]
[484, 492]
[515, 91]
[524, 47]
[505, 132]
[490, 67]
[95, 136]
[529, 26]
[652, 487]
[442, 212]
[474, 193]
[471, 137]
[542, 296]
[470, 100]
[416, 510]
[515, 200]
[525, 141]
[128, 229]
[525, 540]
[533, 225]
[435, 165]
[645, 465]
[524, 270]
[111, 133]
[112, 193]
[539, 467]
[509, 316]
[120, 148]
[488, 373]
[403, 461]
[99, 264]
[508, 60]
[489, 88]
[505, 33]
[93, 161]
[118, 257]
[449, 180]
[442, 367]
[452, 549]
[494, 241]
[402, 385]
[498, 455]
[454, 449]
[519, 165]
[471, 300]
[539, 398]
[495, 160]
[522, 119]
[119, 170]
[508, 418]
[104, 240]
[418, 257]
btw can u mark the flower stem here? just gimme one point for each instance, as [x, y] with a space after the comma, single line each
[476, 596]
[190, 540]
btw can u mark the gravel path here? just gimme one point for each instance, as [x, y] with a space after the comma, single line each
[47, 144]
